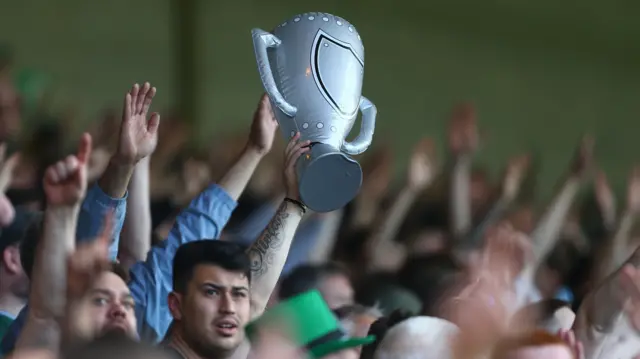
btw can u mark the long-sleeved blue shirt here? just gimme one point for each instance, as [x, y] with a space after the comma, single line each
[151, 280]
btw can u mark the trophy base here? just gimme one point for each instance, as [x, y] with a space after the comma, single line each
[328, 179]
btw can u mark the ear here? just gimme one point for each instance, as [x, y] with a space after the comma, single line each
[11, 260]
[174, 302]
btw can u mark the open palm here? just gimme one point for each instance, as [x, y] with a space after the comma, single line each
[264, 126]
[138, 137]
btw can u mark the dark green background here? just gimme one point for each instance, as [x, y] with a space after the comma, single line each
[541, 72]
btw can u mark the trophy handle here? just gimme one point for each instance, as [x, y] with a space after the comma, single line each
[362, 142]
[261, 41]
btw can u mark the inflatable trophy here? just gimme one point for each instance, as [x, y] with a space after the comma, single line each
[311, 67]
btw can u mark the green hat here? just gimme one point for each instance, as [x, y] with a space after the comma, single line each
[312, 323]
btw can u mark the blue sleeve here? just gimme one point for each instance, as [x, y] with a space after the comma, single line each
[95, 206]
[151, 280]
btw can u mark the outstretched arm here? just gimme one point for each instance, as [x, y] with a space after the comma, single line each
[268, 253]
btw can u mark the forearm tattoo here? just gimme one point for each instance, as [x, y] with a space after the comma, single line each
[264, 250]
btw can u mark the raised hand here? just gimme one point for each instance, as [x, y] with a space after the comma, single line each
[605, 198]
[422, 166]
[516, 169]
[138, 136]
[65, 182]
[583, 161]
[263, 127]
[569, 337]
[463, 130]
[294, 150]
[505, 253]
[633, 192]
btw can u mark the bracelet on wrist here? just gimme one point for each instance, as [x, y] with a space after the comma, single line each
[297, 203]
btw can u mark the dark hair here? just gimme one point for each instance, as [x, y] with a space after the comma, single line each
[352, 310]
[563, 259]
[432, 277]
[119, 270]
[379, 328]
[227, 255]
[13, 234]
[306, 277]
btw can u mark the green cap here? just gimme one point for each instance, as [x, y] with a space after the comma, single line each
[312, 325]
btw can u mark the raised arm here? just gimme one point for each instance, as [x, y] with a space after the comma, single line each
[204, 218]
[268, 253]
[64, 185]
[383, 252]
[546, 233]
[136, 232]
[514, 175]
[613, 251]
[263, 129]
[137, 140]
[463, 142]
[611, 308]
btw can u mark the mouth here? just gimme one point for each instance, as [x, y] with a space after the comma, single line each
[226, 328]
[117, 326]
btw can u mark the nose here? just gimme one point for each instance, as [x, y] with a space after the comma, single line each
[227, 305]
[117, 311]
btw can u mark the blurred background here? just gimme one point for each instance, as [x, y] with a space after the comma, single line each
[541, 73]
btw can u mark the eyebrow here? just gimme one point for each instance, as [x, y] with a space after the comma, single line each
[124, 295]
[101, 291]
[222, 287]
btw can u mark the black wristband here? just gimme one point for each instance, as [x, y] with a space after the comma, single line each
[297, 203]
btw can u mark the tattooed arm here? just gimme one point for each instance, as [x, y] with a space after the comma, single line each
[268, 253]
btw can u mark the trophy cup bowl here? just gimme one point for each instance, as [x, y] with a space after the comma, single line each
[312, 67]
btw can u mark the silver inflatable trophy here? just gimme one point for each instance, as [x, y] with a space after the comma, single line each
[311, 67]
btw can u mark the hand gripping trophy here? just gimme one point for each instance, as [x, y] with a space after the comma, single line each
[311, 67]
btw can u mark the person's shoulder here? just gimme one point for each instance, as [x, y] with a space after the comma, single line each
[5, 324]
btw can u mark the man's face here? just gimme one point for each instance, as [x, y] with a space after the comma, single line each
[336, 290]
[107, 306]
[214, 310]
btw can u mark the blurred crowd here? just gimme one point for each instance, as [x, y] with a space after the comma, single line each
[126, 239]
